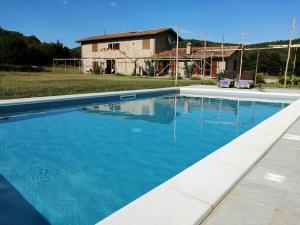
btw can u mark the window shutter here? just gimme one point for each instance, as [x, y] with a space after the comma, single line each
[146, 43]
[94, 47]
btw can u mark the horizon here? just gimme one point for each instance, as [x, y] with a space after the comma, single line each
[62, 19]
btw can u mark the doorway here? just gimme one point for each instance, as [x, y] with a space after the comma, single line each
[110, 66]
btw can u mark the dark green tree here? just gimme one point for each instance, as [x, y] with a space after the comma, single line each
[17, 49]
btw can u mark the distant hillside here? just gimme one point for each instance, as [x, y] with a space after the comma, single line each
[17, 49]
[279, 42]
[273, 61]
[76, 52]
[200, 43]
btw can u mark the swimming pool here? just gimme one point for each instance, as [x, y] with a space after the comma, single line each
[79, 165]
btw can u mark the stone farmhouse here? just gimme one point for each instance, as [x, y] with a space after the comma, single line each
[134, 53]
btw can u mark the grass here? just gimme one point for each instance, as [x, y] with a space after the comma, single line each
[26, 84]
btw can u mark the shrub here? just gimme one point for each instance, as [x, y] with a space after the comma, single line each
[134, 69]
[96, 70]
[208, 82]
[188, 69]
[195, 78]
[21, 68]
[260, 79]
[150, 68]
[220, 76]
[288, 80]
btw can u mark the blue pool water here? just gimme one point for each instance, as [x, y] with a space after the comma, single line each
[78, 166]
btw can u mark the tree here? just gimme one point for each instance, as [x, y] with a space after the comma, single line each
[17, 49]
[188, 69]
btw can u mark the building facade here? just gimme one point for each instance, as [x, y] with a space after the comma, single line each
[152, 52]
[125, 53]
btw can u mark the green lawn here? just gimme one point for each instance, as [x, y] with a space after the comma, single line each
[21, 84]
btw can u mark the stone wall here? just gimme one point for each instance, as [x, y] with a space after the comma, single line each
[130, 48]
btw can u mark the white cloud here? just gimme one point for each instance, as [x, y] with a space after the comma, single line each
[113, 4]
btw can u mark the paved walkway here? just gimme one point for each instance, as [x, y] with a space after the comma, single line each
[270, 193]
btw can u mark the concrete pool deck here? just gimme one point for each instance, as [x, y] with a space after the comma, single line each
[270, 193]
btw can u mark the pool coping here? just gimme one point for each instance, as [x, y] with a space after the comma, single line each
[5, 102]
[189, 197]
[27, 105]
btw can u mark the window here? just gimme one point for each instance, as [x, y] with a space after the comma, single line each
[146, 43]
[116, 46]
[94, 47]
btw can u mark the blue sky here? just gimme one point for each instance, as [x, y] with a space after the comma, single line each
[70, 20]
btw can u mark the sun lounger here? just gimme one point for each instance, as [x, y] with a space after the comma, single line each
[244, 84]
[225, 83]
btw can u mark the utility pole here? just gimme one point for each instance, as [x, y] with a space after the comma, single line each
[204, 55]
[289, 51]
[177, 44]
[294, 66]
[223, 60]
[222, 47]
[242, 53]
[256, 67]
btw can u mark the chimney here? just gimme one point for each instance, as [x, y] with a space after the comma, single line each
[189, 48]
